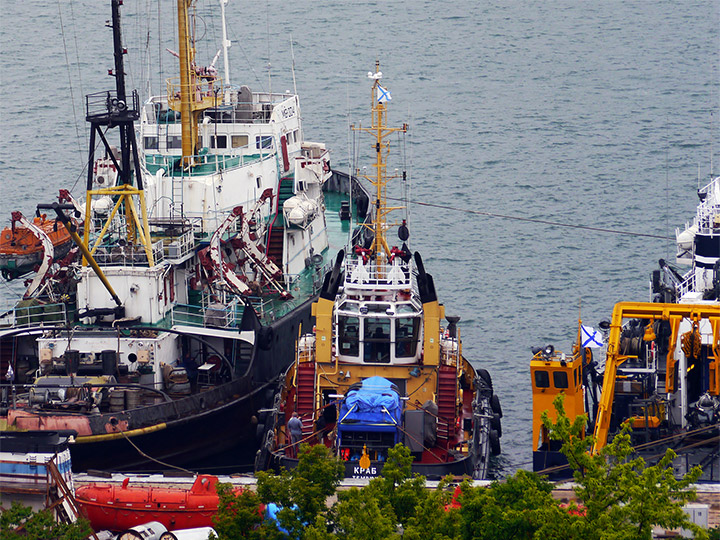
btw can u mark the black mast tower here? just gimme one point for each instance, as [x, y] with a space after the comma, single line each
[115, 109]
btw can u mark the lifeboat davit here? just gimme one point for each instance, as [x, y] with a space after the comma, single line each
[21, 248]
[118, 508]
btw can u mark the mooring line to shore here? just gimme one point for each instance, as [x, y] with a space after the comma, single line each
[530, 220]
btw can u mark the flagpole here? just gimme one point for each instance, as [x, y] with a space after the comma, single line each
[578, 343]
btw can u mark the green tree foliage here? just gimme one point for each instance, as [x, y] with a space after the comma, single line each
[21, 522]
[303, 491]
[359, 515]
[521, 507]
[434, 518]
[623, 497]
[389, 500]
[397, 491]
[240, 516]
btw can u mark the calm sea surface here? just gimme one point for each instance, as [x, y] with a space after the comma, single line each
[583, 113]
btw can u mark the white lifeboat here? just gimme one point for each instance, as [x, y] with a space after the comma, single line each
[685, 241]
[299, 210]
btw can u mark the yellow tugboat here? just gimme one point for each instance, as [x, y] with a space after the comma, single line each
[381, 366]
[654, 365]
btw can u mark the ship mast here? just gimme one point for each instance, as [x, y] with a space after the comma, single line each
[187, 54]
[108, 110]
[379, 250]
[196, 90]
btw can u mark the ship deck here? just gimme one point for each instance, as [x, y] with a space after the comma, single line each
[269, 308]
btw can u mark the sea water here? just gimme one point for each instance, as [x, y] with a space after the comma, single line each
[596, 114]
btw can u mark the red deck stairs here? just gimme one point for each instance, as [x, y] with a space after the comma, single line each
[446, 401]
[305, 406]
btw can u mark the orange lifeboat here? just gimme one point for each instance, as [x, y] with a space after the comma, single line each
[119, 508]
[21, 249]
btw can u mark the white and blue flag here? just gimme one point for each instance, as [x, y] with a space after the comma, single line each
[383, 94]
[589, 337]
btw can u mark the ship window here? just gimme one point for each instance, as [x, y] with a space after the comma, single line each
[350, 307]
[406, 337]
[151, 143]
[575, 376]
[349, 335]
[263, 141]
[239, 141]
[560, 379]
[174, 141]
[377, 340]
[218, 141]
[405, 308]
[542, 379]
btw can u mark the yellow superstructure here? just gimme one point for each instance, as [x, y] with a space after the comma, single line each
[552, 374]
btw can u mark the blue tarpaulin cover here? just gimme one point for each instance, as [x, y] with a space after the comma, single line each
[375, 403]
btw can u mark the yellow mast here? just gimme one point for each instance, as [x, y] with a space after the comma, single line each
[195, 92]
[380, 250]
[187, 55]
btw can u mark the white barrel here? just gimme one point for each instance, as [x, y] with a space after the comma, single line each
[152, 530]
[198, 533]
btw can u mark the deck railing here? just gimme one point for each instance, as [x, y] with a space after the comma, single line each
[387, 276]
[204, 163]
[210, 314]
[40, 315]
[135, 256]
[180, 247]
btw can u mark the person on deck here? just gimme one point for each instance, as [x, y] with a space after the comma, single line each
[295, 429]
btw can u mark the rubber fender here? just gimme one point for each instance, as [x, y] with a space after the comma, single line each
[494, 443]
[495, 404]
[485, 376]
[496, 424]
[333, 278]
[266, 335]
[361, 205]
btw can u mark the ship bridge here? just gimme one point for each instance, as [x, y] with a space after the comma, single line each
[241, 128]
[379, 320]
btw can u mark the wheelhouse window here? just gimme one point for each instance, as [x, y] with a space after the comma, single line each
[376, 338]
[263, 141]
[560, 379]
[349, 335]
[542, 379]
[151, 143]
[174, 141]
[406, 336]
